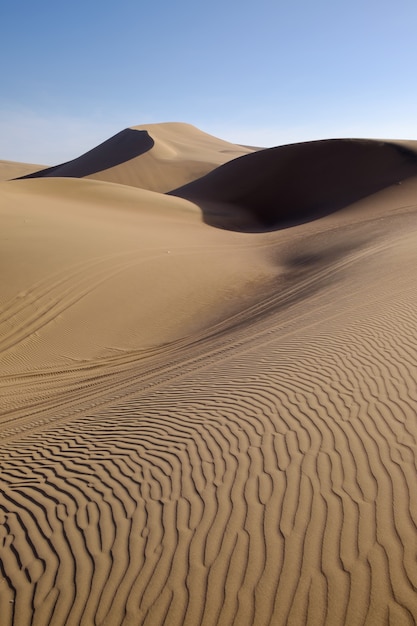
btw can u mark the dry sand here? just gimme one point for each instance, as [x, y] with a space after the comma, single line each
[13, 169]
[157, 157]
[206, 425]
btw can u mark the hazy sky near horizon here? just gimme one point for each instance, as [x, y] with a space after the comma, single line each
[264, 73]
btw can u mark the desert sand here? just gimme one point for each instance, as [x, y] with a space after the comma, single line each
[208, 384]
[13, 169]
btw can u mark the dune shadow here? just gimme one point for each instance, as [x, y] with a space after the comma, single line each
[281, 187]
[122, 147]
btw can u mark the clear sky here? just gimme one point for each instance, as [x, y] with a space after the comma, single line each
[265, 73]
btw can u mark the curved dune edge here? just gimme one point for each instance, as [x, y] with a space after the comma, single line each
[122, 147]
[181, 153]
[156, 157]
[291, 184]
[254, 465]
[96, 268]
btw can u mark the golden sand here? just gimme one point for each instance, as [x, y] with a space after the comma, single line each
[13, 169]
[208, 399]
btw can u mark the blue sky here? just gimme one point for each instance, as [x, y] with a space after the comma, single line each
[264, 73]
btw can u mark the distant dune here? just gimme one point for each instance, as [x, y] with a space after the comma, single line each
[124, 146]
[208, 397]
[156, 157]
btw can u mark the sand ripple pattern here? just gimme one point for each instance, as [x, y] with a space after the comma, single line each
[273, 485]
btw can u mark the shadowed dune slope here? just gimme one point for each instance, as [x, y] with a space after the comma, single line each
[156, 157]
[122, 147]
[181, 153]
[299, 182]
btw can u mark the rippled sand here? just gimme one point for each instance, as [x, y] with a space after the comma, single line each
[209, 398]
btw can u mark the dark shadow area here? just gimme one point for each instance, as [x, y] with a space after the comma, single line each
[122, 147]
[288, 185]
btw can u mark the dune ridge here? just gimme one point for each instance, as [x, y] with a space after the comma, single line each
[156, 157]
[204, 425]
[289, 184]
[122, 147]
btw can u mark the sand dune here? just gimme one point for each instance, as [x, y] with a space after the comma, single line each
[13, 169]
[157, 157]
[124, 146]
[289, 184]
[209, 426]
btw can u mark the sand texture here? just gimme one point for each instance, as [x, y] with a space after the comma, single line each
[208, 399]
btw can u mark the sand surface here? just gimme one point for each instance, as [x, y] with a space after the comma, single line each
[13, 169]
[157, 157]
[208, 403]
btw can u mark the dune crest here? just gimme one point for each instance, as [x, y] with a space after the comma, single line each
[122, 147]
[290, 184]
[156, 157]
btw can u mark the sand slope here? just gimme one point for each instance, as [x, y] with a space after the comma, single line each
[157, 157]
[289, 184]
[209, 426]
[14, 169]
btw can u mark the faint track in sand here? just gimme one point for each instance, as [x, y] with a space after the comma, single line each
[91, 383]
[266, 476]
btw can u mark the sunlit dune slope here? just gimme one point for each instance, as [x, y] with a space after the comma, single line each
[14, 169]
[288, 184]
[156, 157]
[95, 267]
